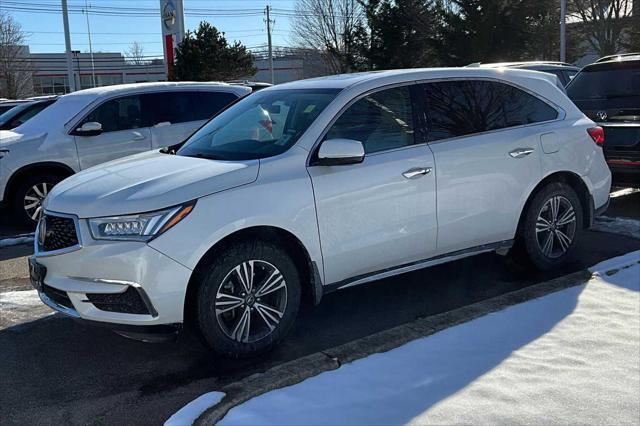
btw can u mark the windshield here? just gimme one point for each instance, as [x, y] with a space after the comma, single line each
[21, 113]
[261, 125]
[614, 81]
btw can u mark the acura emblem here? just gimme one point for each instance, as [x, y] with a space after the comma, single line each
[601, 115]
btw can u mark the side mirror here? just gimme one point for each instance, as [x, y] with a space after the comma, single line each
[90, 128]
[337, 152]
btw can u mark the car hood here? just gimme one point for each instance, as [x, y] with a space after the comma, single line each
[146, 182]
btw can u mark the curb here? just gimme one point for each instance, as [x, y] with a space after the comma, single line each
[296, 371]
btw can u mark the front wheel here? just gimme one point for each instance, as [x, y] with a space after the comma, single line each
[29, 195]
[248, 299]
[552, 226]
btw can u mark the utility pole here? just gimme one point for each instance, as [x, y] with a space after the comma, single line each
[270, 46]
[93, 67]
[67, 43]
[563, 30]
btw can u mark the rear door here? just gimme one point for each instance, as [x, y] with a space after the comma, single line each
[485, 139]
[173, 116]
[123, 132]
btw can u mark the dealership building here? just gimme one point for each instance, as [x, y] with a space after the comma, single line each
[100, 69]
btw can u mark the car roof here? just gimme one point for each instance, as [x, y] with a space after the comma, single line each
[342, 81]
[623, 57]
[524, 64]
[98, 92]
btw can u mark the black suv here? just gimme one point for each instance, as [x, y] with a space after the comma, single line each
[608, 92]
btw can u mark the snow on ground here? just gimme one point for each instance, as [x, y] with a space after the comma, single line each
[190, 412]
[569, 357]
[623, 192]
[617, 225]
[17, 240]
[18, 307]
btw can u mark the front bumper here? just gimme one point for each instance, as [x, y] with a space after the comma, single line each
[118, 282]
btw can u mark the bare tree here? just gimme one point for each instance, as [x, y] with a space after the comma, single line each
[135, 54]
[16, 76]
[603, 23]
[334, 27]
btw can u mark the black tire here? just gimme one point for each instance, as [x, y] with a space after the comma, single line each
[23, 188]
[531, 243]
[215, 330]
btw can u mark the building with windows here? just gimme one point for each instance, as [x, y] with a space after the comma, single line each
[49, 71]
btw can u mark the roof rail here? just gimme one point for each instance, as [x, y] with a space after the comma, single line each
[619, 55]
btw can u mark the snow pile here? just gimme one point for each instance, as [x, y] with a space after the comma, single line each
[617, 225]
[17, 240]
[565, 358]
[190, 412]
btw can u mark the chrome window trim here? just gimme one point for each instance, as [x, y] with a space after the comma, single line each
[70, 249]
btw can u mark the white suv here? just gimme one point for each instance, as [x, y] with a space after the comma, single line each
[317, 185]
[93, 126]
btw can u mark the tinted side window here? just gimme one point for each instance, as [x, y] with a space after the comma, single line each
[169, 107]
[118, 114]
[459, 108]
[381, 121]
[210, 103]
[523, 108]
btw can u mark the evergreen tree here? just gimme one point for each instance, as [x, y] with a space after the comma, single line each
[401, 33]
[205, 55]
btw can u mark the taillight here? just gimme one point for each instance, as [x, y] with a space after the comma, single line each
[597, 134]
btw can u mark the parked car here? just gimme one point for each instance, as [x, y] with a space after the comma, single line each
[608, 92]
[7, 104]
[253, 215]
[93, 126]
[254, 85]
[565, 72]
[19, 114]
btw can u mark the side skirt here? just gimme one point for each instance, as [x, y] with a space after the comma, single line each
[500, 247]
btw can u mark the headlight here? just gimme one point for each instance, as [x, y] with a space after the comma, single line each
[138, 227]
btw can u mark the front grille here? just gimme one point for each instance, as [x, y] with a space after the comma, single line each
[58, 296]
[128, 302]
[56, 233]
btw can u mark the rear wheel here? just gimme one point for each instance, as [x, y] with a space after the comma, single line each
[248, 299]
[552, 227]
[29, 195]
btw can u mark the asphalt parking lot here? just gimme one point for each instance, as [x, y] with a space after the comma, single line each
[55, 370]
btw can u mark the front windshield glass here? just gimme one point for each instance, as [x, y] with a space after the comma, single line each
[8, 115]
[617, 81]
[263, 124]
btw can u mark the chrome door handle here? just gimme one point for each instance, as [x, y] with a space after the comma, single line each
[520, 152]
[416, 172]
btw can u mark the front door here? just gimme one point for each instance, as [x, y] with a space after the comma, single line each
[381, 213]
[123, 132]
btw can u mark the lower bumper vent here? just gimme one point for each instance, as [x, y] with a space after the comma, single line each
[129, 302]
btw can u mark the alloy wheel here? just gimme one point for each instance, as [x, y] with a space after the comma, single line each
[33, 199]
[555, 226]
[251, 301]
